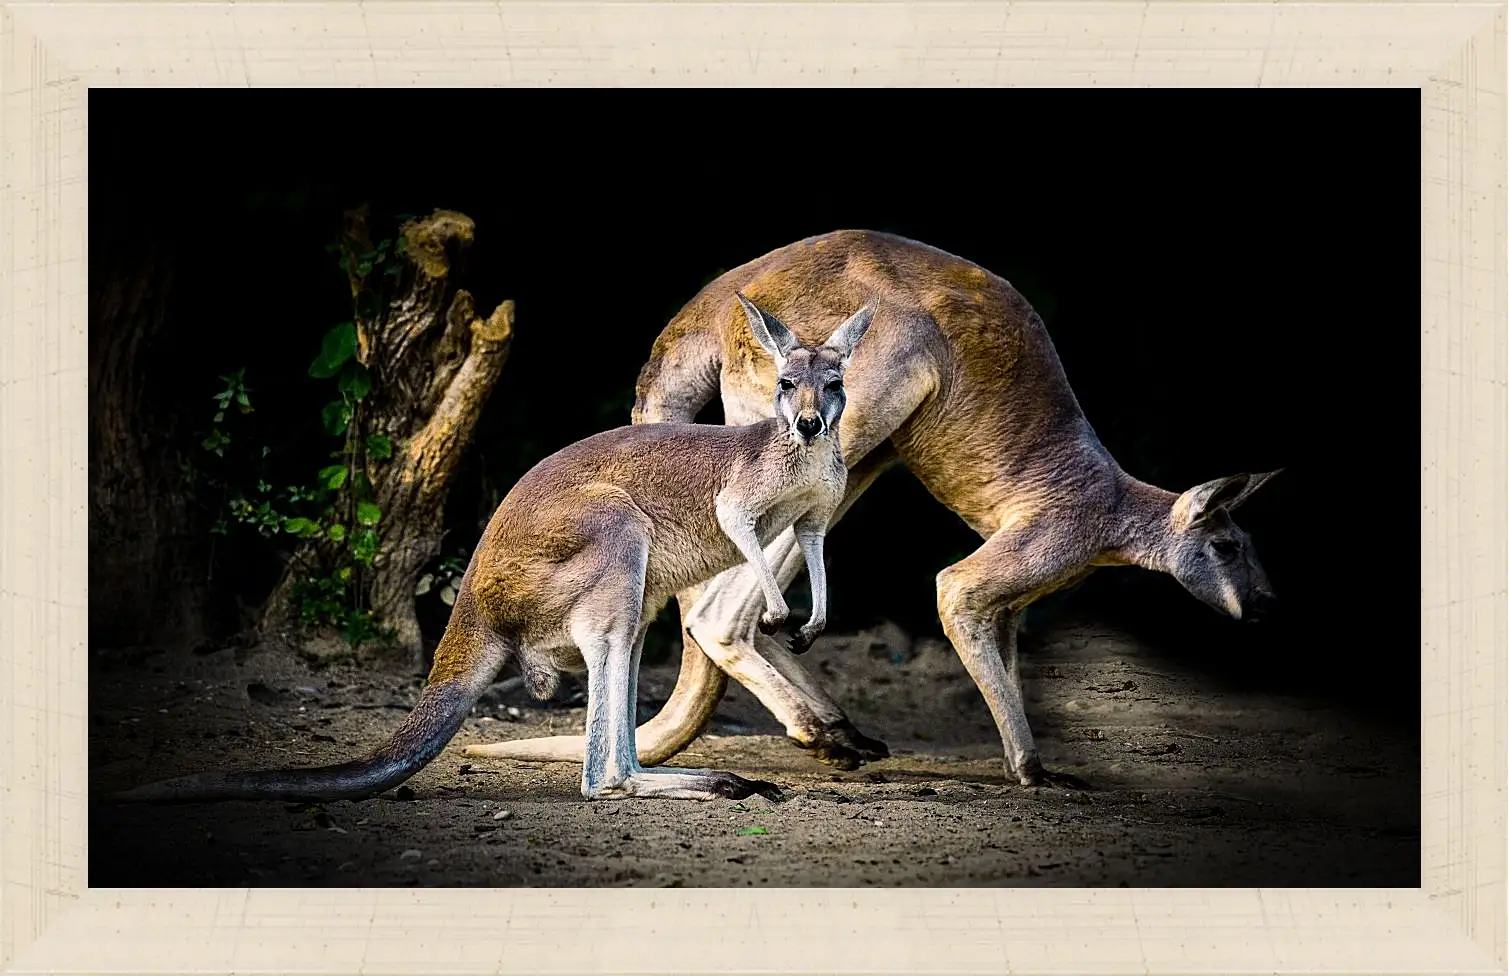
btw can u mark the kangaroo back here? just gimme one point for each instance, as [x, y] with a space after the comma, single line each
[965, 381]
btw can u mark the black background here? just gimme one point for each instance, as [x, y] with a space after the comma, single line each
[1231, 280]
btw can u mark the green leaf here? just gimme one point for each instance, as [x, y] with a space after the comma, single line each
[335, 416]
[364, 268]
[448, 596]
[362, 486]
[334, 476]
[379, 447]
[216, 442]
[355, 382]
[424, 584]
[300, 526]
[338, 346]
[368, 513]
[219, 416]
[401, 245]
[336, 532]
[364, 547]
[243, 399]
[747, 831]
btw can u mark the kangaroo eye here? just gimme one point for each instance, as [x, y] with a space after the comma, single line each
[787, 384]
[836, 386]
[1225, 547]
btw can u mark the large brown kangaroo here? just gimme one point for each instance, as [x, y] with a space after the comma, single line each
[958, 380]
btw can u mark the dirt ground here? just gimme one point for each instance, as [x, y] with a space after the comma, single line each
[1190, 784]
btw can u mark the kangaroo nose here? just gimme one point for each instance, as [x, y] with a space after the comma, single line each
[808, 426]
[1259, 607]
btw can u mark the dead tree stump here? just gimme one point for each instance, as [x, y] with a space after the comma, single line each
[433, 361]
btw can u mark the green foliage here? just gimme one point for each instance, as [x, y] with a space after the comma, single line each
[336, 519]
[337, 347]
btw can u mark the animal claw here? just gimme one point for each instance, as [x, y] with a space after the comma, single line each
[769, 791]
[739, 788]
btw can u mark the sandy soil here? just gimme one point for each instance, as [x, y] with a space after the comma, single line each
[1190, 784]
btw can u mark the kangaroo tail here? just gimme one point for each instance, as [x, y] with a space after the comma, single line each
[461, 672]
[554, 748]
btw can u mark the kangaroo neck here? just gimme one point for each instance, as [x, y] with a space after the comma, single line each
[1140, 524]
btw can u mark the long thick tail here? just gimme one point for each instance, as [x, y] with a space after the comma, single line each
[463, 672]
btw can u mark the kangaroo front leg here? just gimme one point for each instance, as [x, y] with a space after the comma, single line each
[810, 530]
[738, 524]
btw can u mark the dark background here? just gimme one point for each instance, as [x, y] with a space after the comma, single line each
[1231, 279]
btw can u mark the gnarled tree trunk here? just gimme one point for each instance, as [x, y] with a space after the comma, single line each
[433, 360]
[142, 584]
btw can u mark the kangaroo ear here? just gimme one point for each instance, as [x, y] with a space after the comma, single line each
[768, 331]
[847, 336]
[1254, 482]
[1223, 494]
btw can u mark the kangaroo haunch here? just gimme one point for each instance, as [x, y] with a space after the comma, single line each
[584, 552]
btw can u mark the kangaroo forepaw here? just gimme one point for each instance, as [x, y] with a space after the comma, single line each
[802, 640]
[770, 623]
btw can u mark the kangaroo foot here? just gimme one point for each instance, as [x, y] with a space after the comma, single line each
[698, 784]
[842, 746]
[1032, 773]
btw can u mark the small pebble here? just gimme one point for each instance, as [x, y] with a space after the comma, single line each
[513, 712]
[410, 855]
[433, 862]
[502, 815]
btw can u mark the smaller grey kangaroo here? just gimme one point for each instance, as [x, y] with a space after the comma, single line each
[582, 555]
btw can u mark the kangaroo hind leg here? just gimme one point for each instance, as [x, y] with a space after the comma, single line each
[980, 599]
[607, 625]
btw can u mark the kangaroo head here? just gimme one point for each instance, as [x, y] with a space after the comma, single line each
[1211, 556]
[809, 389]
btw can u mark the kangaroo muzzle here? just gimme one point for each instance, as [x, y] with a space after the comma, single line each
[1260, 606]
[809, 426]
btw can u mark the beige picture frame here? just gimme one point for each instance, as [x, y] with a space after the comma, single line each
[51, 54]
